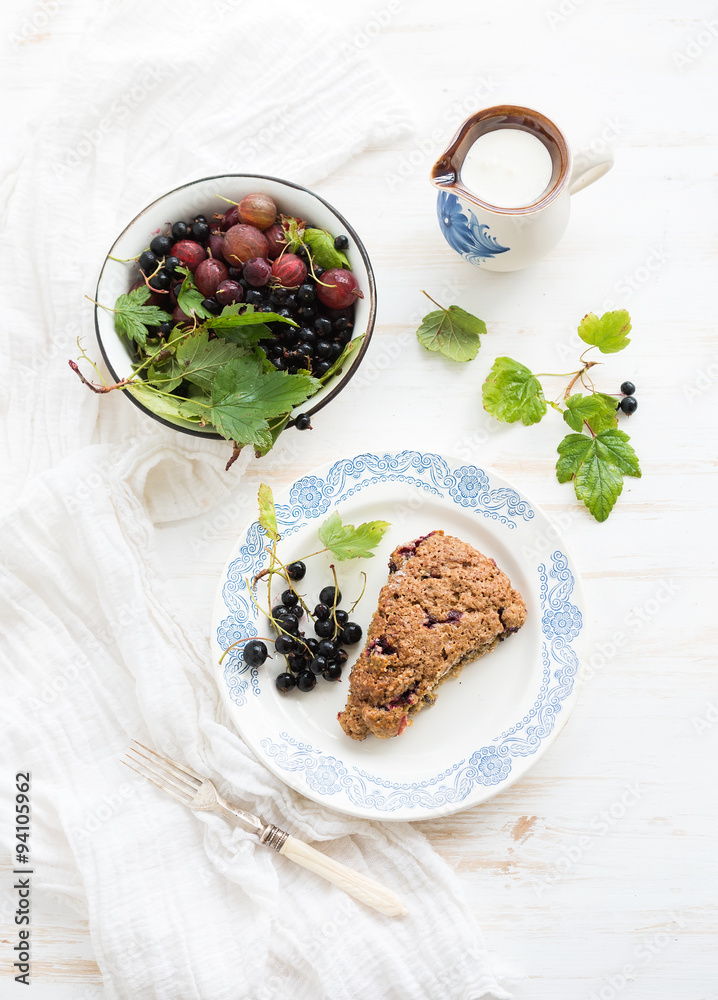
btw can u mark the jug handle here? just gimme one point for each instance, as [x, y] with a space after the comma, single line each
[589, 167]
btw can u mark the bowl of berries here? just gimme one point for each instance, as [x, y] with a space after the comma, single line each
[234, 307]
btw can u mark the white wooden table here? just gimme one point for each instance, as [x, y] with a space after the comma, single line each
[595, 875]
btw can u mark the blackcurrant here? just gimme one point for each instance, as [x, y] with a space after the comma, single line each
[324, 629]
[323, 326]
[161, 245]
[253, 297]
[160, 281]
[321, 368]
[333, 672]
[319, 664]
[165, 329]
[180, 230]
[341, 242]
[289, 599]
[312, 644]
[200, 231]
[296, 570]
[285, 682]
[351, 633]
[172, 263]
[342, 617]
[327, 648]
[288, 624]
[629, 404]
[285, 644]
[341, 324]
[323, 348]
[628, 389]
[148, 262]
[305, 293]
[297, 662]
[342, 656]
[254, 653]
[306, 681]
[211, 305]
[322, 612]
[297, 611]
[331, 596]
[303, 422]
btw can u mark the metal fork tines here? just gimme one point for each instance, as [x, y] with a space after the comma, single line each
[178, 781]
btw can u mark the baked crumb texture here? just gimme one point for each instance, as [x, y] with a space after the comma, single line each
[444, 604]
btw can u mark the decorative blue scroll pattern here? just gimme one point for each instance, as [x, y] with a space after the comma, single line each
[468, 237]
[561, 624]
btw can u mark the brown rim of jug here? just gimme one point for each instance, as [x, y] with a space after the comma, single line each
[446, 172]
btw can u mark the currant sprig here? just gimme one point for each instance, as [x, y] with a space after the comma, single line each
[598, 455]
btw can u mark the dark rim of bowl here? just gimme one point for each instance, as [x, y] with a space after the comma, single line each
[341, 379]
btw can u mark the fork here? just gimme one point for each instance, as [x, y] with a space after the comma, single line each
[198, 792]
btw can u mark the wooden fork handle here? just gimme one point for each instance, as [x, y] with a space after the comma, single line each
[364, 889]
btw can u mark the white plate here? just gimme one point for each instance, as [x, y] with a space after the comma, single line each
[488, 726]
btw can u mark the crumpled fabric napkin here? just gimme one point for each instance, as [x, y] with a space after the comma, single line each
[180, 906]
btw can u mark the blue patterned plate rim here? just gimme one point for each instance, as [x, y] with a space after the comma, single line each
[329, 772]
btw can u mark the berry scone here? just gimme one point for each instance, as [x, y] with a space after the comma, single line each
[444, 604]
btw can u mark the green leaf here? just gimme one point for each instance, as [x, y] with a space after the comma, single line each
[293, 232]
[597, 466]
[133, 317]
[267, 511]
[169, 407]
[325, 254]
[260, 450]
[453, 332]
[512, 392]
[609, 333]
[244, 398]
[199, 359]
[597, 410]
[231, 317]
[349, 349]
[347, 542]
[190, 298]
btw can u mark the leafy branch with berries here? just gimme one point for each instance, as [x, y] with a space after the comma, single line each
[323, 654]
[597, 456]
[259, 316]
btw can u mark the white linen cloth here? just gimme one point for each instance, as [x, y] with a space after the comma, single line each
[180, 906]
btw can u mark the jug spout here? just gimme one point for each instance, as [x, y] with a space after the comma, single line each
[443, 173]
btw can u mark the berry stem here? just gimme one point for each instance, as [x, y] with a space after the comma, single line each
[351, 609]
[433, 300]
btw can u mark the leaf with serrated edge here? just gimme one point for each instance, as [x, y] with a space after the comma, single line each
[512, 392]
[349, 349]
[200, 359]
[133, 317]
[597, 410]
[453, 332]
[345, 541]
[597, 466]
[325, 254]
[245, 398]
[609, 333]
[267, 511]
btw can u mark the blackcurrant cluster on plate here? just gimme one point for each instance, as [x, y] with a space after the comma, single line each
[307, 657]
[629, 403]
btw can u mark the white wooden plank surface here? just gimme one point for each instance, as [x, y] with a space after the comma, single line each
[571, 884]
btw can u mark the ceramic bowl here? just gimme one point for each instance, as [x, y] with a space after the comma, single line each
[205, 197]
